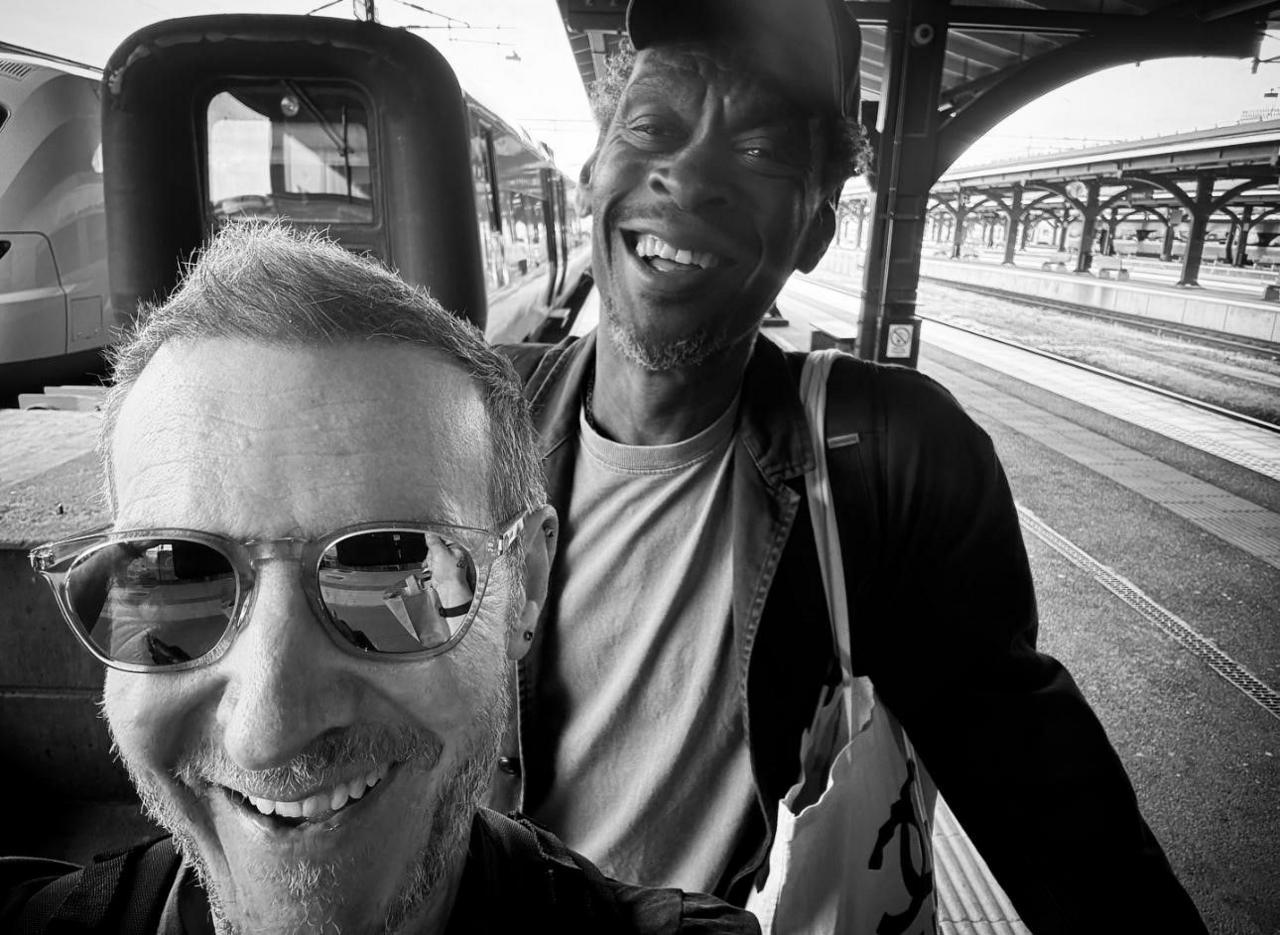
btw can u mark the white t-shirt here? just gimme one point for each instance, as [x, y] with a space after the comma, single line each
[652, 776]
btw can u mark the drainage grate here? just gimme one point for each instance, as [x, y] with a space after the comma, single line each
[15, 70]
[1168, 623]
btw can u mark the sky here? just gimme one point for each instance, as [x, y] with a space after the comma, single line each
[514, 56]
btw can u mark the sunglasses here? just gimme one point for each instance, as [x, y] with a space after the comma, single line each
[162, 600]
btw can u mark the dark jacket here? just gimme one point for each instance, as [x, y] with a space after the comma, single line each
[943, 620]
[518, 878]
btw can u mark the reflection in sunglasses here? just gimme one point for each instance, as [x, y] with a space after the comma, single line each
[161, 598]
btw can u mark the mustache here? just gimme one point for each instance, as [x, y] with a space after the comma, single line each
[337, 753]
[660, 212]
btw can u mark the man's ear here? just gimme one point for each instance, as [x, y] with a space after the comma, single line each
[540, 536]
[584, 174]
[818, 236]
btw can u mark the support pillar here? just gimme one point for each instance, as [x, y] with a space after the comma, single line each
[1170, 232]
[1089, 223]
[1241, 257]
[958, 232]
[915, 52]
[1011, 233]
[1195, 236]
[1113, 222]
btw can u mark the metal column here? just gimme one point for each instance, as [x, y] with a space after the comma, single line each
[915, 47]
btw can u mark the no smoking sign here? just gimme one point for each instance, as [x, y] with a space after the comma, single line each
[899, 341]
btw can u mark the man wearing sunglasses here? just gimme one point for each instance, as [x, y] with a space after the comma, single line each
[330, 542]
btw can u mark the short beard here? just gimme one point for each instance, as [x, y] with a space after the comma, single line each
[314, 890]
[660, 356]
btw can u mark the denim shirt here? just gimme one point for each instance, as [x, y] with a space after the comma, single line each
[942, 618]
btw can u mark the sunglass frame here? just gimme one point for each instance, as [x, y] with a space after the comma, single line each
[54, 561]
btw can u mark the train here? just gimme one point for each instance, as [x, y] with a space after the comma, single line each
[57, 313]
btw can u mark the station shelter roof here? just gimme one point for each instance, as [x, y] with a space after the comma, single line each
[1241, 163]
[985, 39]
[1040, 43]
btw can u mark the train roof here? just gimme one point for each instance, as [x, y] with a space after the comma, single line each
[27, 68]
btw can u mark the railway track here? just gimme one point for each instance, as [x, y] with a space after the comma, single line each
[1013, 342]
[1129, 381]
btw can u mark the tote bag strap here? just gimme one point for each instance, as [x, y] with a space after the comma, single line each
[813, 393]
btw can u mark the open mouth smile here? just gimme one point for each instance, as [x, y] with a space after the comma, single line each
[665, 257]
[316, 808]
[668, 258]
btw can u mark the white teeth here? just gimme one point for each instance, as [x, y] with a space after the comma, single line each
[647, 246]
[341, 795]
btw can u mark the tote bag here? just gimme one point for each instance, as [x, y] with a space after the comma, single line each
[853, 851]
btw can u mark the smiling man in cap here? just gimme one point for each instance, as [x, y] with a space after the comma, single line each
[685, 643]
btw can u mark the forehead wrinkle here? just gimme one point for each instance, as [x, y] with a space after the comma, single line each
[369, 447]
[727, 69]
[686, 75]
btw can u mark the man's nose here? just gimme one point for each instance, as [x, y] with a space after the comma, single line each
[695, 177]
[286, 682]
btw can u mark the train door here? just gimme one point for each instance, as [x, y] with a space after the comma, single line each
[349, 127]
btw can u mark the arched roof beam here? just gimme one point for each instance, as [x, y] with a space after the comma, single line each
[988, 198]
[1226, 197]
[1060, 189]
[1149, 212]
[1173, 188]
[1034, 202]
[1159, 37]
[1266, 214]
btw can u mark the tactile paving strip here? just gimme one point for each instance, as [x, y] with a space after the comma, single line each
[970, 901]
[1164, 620]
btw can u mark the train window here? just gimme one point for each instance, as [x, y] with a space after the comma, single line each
[290, 149]
[524, 230]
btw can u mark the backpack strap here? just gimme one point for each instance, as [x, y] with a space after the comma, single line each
[120, 892]
[855, 454]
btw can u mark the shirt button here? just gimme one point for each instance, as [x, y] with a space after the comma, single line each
[509, 765]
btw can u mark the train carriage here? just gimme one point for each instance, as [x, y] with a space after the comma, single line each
[274, 148]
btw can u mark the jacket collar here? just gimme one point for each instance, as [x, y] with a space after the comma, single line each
[772, 426]
[555, 403]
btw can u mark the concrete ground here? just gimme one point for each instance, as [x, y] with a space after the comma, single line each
[1204, 759]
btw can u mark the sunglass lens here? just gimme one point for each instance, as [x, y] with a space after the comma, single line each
[153, 602]
[398, 591]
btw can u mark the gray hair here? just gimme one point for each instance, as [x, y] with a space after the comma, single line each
[266, 282]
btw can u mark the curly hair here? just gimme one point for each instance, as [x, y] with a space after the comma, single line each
[848, 151]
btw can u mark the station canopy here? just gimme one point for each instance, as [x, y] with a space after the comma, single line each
[1007, 52]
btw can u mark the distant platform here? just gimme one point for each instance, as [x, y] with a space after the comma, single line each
[1228, 313]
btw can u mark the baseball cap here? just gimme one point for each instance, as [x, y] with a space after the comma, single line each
[810, 47]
